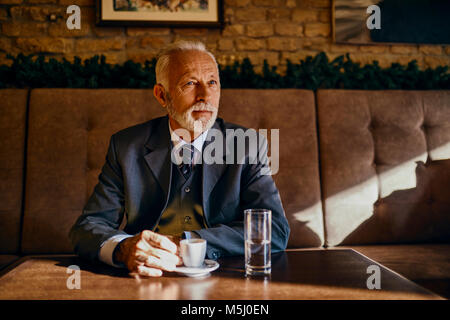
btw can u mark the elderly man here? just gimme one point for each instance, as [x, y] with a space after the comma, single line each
[154, 189]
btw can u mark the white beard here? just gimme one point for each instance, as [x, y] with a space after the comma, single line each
[187, 121]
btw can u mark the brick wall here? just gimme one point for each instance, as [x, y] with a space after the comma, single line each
[258, 29]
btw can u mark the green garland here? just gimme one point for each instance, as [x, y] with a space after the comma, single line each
[312, 73]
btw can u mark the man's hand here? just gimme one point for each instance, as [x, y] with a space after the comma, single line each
[148, 253]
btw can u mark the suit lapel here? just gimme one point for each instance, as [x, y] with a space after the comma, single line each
[158, 159]
[211, 173]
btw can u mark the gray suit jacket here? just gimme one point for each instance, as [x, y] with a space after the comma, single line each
[135, 181]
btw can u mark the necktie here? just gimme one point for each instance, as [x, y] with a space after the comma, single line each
[187, 154]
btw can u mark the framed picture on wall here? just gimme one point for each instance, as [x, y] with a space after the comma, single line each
[160, 13]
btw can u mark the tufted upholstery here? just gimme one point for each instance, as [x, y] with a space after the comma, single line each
[385, 177]
[69, 132]
[293, 113]
[13, 105]
[373, 189]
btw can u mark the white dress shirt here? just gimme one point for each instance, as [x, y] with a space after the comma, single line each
[108, 247]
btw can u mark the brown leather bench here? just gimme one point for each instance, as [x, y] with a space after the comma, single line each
[348, 174]
[385, 177]
[13, 107]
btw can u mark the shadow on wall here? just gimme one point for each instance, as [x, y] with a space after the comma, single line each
[419, 214]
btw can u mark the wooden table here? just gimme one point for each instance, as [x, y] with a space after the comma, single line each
[296, 274]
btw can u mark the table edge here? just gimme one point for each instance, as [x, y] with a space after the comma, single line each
[397, 274]
[25, 258]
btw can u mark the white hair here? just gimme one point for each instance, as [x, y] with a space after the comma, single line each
[162, 64]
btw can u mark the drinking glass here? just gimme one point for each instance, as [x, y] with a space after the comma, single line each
[258, 236]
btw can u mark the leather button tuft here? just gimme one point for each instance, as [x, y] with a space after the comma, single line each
[187, 219]
[187, 189]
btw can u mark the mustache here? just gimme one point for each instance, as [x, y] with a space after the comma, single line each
[202, 106]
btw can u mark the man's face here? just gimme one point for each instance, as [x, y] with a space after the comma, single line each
[194, 91]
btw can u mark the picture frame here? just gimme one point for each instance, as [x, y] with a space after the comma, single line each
[160, 13]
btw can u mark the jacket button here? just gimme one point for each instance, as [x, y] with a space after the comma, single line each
[187, 189]
[215, 255]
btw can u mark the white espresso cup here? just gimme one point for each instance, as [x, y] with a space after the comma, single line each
[193, 252]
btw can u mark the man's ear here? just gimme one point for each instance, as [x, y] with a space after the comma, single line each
[160, 94]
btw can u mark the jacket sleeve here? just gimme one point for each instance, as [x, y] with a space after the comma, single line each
[103, 212]
[258, 190]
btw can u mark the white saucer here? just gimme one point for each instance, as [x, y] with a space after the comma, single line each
[208, 266]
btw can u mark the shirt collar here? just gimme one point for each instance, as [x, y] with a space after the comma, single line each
[197, 143]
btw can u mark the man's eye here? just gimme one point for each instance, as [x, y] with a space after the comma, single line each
[212, 82]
